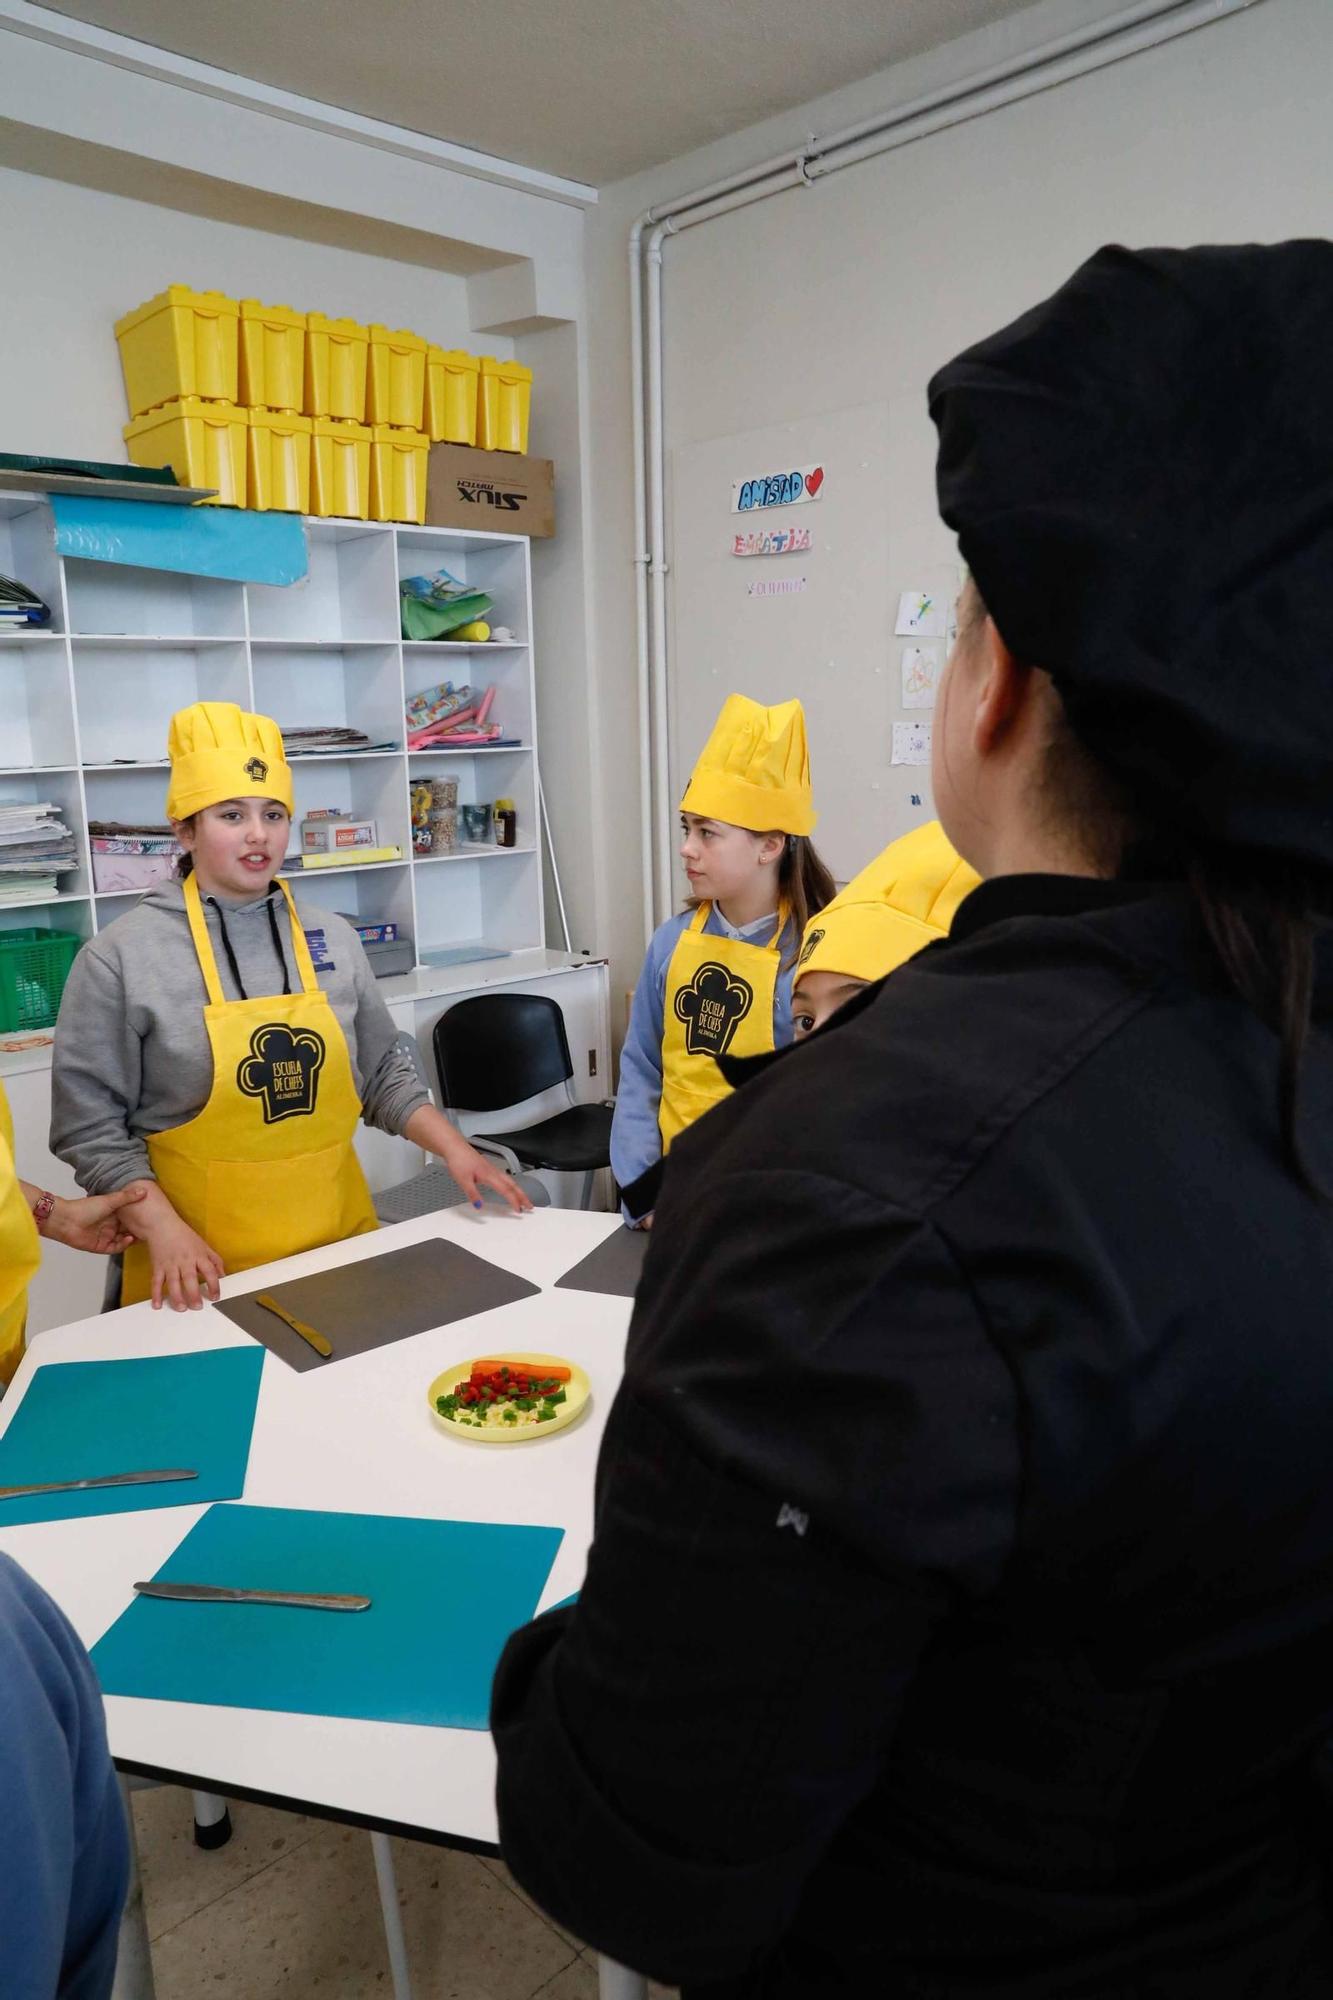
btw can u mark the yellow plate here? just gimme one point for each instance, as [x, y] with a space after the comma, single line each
[578, 1389]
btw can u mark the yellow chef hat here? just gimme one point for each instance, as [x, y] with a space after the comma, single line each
[902, 901]
[219, 751]
[754, 770]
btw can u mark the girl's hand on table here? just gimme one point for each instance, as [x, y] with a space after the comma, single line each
[474, 1171]
[185, 1269]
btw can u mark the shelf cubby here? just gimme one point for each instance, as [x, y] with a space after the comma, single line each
[36, 703]
[114, 729]
[84, 709]
[120, 600]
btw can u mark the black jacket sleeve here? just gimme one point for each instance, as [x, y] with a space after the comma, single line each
[677, 1752]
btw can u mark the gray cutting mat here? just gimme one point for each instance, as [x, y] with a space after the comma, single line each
[367, 1305]
[614, 1266]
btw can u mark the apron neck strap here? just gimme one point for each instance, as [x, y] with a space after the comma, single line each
[701, 916]
[203, 943]
[300, 949]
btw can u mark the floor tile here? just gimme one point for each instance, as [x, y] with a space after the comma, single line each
[180, 1878]
[309, 1924]
[577, 1982]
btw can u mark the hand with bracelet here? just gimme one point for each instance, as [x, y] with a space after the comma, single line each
[92, 1223]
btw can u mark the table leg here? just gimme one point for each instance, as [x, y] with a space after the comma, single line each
[393, 1916]
[134, 1964]
[615, 1982]
[212, 1820]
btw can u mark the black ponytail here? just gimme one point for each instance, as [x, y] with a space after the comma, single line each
[1262, 914]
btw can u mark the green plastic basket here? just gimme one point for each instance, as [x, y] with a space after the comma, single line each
[34, 965]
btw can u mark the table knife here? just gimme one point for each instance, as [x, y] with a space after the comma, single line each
[217, 1593]
[308, 1333]
[106, 1479]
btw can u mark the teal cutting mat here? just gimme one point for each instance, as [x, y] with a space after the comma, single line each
[82, 1419]
[445, 1595]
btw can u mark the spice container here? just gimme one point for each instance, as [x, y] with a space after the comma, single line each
[506, 823]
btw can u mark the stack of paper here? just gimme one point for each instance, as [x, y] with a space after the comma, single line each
[35, 847]
[330, 742]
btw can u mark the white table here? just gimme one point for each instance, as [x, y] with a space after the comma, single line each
[356, 1436]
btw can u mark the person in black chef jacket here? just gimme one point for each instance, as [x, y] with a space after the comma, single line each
[959, 1620]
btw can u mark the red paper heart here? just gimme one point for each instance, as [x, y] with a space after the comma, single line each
[814, 480]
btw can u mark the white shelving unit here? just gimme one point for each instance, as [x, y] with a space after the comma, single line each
[84, 709]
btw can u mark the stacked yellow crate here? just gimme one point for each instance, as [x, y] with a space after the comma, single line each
[336, 356]
[179, 355]
[395, 406]
[284, 409]
[272, 381]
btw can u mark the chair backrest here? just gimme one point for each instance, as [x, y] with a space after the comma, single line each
[500, 1049]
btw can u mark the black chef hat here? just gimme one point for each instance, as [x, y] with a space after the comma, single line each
[1140, 473]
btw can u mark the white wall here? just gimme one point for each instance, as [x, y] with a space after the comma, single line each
[855, 290]
[88, 257]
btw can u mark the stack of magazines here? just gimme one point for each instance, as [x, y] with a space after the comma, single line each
[35, 848]
[329, 742]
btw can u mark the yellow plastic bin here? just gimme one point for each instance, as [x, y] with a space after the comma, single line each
[396, 391]
[336, 352]
[340, 468]
[451, 395]
[279, 461]
[203, 443]
[503, 405]
[398, 472]
[181, 343]
[272, 356]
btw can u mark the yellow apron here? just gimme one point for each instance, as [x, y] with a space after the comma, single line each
[20, 1250]
[267, 1168]
[719, 1001]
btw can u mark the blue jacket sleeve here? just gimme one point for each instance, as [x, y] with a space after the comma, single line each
[636, 1137]
[62, 1830]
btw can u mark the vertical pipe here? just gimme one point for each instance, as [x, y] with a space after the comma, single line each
[657, 573]
[641, 560]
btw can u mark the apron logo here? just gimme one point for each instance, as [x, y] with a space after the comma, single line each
[256, 769]
[712, 1007]
[283, 1069]
[815, 938]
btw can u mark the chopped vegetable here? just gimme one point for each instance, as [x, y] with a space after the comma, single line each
[509, 1394]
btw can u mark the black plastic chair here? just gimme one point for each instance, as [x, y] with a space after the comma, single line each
[502, 1049]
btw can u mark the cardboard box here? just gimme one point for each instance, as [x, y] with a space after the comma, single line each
[499, 490]
[324, 836]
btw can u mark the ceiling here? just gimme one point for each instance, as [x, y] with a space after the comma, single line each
[590, 89]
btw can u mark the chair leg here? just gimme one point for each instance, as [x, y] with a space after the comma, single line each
[393, 1916]
[614, 1982]
[212, 1820]
[585, 1192]
[134, 1964]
